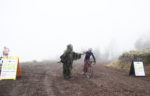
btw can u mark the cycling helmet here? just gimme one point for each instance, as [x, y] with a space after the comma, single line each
[90, 49]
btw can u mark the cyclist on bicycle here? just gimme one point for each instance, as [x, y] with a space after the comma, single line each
[88, 54]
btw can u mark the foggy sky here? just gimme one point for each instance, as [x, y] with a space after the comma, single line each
[143, 42]
[41, 29]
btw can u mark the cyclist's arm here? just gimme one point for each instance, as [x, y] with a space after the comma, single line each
[94, 58]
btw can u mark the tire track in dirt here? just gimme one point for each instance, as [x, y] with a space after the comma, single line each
[32, 82]
[35, 81]
[52, 89]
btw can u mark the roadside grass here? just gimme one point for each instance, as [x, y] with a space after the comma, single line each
[124, 61]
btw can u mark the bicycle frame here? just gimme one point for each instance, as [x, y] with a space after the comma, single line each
[89, 70]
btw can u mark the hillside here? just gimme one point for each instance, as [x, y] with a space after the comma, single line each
[124, 61]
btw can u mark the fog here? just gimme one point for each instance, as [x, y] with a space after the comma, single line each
[143, 42]
[41, 29]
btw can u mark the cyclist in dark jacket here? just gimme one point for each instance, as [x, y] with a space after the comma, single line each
[88, 54]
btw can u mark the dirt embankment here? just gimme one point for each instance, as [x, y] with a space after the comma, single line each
[125, 60]
[45, 79]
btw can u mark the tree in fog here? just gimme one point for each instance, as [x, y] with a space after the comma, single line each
[143, 42]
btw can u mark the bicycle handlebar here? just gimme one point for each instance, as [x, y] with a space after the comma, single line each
[92, 62]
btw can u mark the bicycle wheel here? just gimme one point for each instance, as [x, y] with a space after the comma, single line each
[91, 73]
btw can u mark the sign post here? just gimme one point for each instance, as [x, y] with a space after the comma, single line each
[10, 68]
[137, 68]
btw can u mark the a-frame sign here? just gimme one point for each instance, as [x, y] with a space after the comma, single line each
[10, 68]
[137, 68]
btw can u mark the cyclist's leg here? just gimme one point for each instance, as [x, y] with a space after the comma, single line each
[85, 67]
[89, 67]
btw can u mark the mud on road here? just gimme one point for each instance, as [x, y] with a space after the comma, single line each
[45, 79]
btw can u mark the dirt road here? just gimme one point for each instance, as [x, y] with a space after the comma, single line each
[45, 79]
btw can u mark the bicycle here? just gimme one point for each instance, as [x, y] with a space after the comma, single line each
[89, 72]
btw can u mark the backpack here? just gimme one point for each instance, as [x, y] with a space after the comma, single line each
[63, 58]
